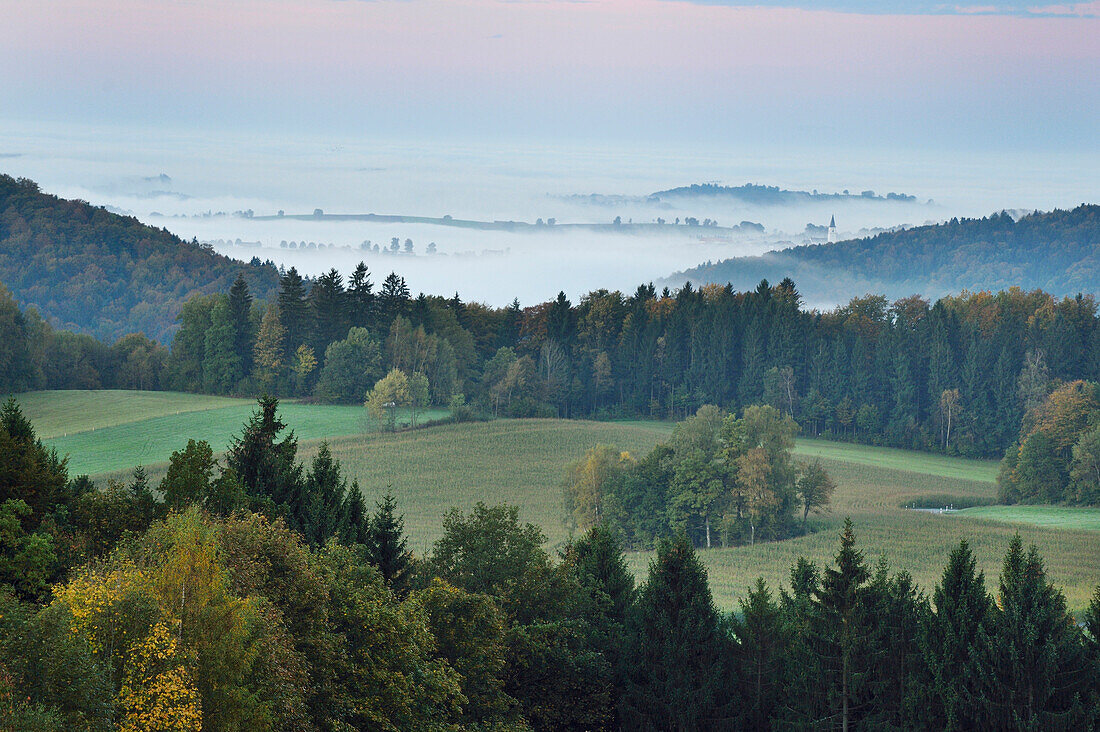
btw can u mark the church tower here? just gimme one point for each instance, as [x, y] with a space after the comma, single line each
[832, 231]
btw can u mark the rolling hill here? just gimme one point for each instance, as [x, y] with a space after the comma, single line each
[91, 271]
[1057, 251]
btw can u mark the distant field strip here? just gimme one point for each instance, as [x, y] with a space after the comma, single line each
[1055, 517]
[906, 460]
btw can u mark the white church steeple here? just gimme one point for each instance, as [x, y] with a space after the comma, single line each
[832, 230]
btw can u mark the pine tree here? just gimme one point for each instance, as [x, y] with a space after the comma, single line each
[677, 659]
[266, 468]
[832, 682]
[361, 298]
[318, 511]
[354, 521]
[387, 546]
[328, 308]
[393, 299]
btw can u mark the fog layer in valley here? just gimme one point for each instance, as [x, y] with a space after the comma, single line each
[222, 189]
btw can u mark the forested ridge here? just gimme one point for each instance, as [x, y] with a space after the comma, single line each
[260, 594]
[91, 271]
[1057, 251]
[956, 376]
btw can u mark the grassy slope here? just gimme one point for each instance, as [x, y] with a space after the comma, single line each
[59, 413]
[1056, 517]
[111, 431]
[522, 462]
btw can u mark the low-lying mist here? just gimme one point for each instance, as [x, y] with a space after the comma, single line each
[221, 188]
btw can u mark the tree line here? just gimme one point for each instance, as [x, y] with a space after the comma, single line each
[258, 596]
[955, 376]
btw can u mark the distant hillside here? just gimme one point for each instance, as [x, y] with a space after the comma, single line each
[1057, 251]
[92, 271]
[750, 193]
[771, 195]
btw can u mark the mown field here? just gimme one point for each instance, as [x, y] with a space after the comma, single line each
[522, 462]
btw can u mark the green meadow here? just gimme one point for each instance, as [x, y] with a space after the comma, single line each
[522, 462]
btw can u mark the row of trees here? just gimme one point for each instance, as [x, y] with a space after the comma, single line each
[719, 479]
[956, 376]
[318, 339]
[34, 355]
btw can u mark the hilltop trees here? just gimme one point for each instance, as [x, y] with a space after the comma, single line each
[720, 478]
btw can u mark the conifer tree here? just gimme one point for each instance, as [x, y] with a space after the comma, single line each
[679, 675]
[387, 546]
[361, 298]
[1037, 674]
[328, 308]
[832, 685]
[317, 512]
[240, 314]
[955, 644]
[763, 642]
[266, 468]
[294, 312]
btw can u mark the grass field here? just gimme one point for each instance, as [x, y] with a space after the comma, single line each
[112, 431]
[522, 462]
[1055, 517]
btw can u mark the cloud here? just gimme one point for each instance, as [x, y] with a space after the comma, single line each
[919, 7]
[1076, 10]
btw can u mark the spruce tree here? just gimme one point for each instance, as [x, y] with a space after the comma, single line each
[266, 467]
[832, 684]
[240, 315]
[294, 312]
[955, 644]
[328, 308]
[387, 546]
[1037, 675]
[361, 298]
[678, 655]
[763, 642]
[354, 521]
[318, 511]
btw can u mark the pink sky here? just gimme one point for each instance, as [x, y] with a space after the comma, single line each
[661, 68]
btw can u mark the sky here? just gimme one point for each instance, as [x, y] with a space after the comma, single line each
[1009, 76]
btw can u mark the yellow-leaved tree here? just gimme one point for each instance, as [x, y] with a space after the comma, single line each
[587, 483]
[157, 691]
